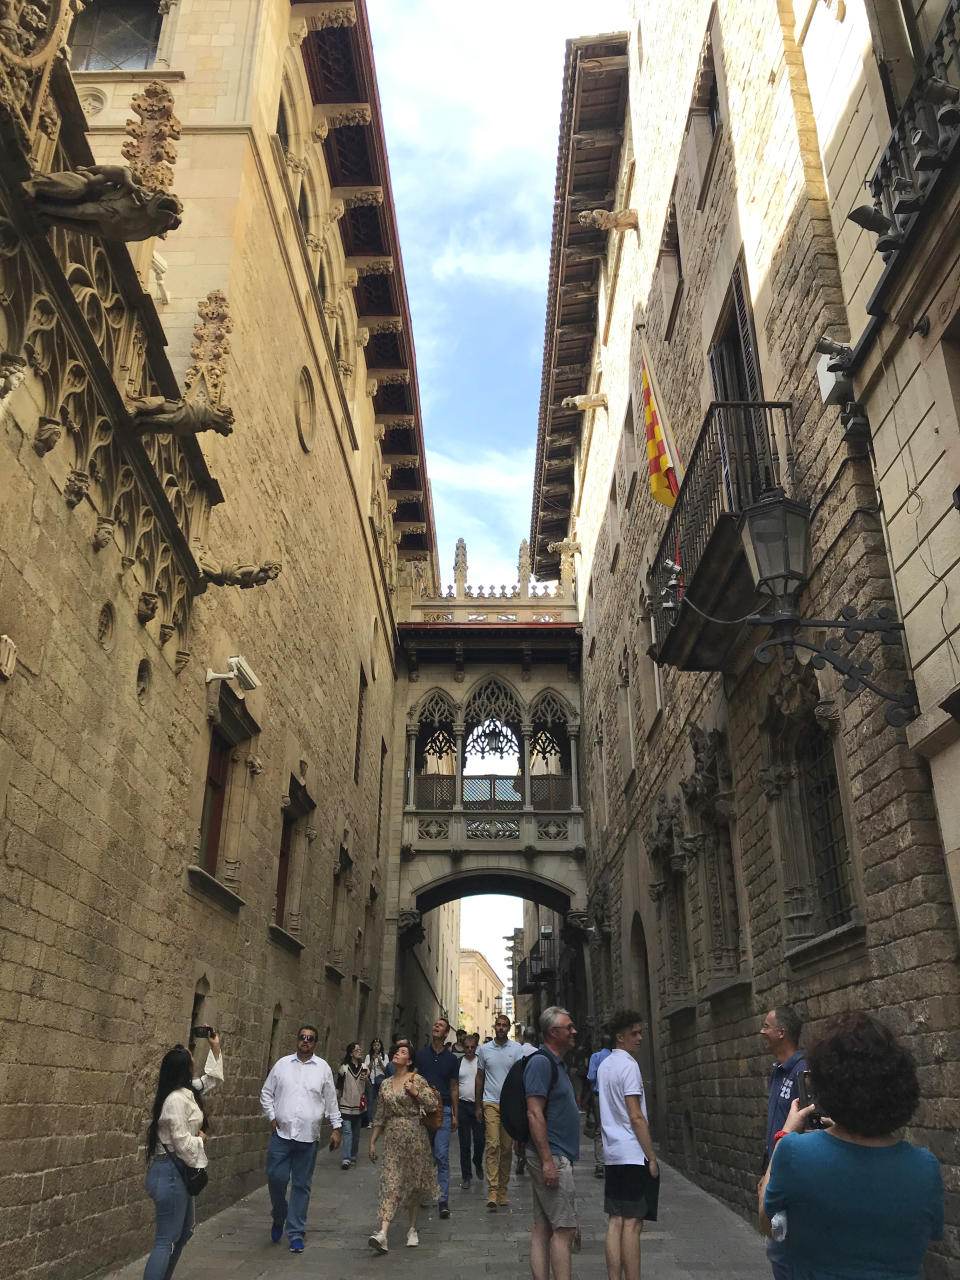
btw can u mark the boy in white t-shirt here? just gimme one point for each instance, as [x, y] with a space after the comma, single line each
[631, 1173]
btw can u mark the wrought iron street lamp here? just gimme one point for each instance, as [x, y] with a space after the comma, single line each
[774, 534]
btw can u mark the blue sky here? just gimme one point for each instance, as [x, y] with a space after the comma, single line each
[471, 109]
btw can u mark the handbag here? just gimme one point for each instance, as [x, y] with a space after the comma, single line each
[433, 1120]
[193, 1179]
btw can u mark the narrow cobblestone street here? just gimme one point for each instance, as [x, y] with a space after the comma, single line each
[695, 1235]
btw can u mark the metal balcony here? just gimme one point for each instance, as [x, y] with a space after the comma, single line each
[538, 967]
[918, 165]
[743, 452]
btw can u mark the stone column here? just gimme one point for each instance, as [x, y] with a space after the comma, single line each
[411, 761]
[458, 753]
[573, 732]
[527, 732]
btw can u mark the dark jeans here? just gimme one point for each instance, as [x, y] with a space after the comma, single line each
[471, 1131]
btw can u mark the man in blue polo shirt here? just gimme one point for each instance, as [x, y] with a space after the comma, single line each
[440, 1068]
[554, 1147]
[780, 1033]
[495, 1059]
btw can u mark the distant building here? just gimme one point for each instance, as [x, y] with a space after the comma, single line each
[481, 993]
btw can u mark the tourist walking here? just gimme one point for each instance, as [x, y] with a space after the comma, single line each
[856, 1201]
[441, 1069]
[495, 1059]
[351, 1083]
[408, 1171]
[296, 1097]
[376, 1063]
[174, 1146]
[631, 1174]
[590, 1101]
[780, 1033]
[471, 1131]
[553, 1147]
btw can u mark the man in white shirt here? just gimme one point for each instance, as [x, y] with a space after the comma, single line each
[631, 1173]
[471, 1117]
[296, 1096]
[495, 1059]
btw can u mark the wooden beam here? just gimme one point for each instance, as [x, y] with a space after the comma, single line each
[612, 62]
[400, 460]
[405, 495]
[585, 252]
[582, 291]
[592, 138]
[568, 332]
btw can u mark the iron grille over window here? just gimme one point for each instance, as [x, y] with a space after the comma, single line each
[820, 792]
[116, 35]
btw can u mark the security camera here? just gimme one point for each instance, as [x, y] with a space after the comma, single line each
[244, 672]
[839, 350]
[239, 670]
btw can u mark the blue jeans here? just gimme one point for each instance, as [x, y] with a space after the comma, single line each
[175, 1218]
[471, 1132]
[779, 1262]
[441, 1153]
[289, 1161]
[351, 1137]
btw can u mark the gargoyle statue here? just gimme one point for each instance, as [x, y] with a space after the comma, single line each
[103, 199]
[153, 415]
[236, 575]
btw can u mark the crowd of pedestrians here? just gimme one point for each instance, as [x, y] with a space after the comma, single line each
[840, 1193]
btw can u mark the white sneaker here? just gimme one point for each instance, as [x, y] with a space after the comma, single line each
[412, 1238]
[378, 1241]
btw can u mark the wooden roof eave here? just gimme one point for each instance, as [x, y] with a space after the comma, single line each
[578, 57]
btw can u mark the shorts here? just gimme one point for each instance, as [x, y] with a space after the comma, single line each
[630, 1191]
[556, 1206]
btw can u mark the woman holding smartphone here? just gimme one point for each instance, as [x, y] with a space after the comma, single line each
[352, 1092]
[175, 1145]
[858, 1200]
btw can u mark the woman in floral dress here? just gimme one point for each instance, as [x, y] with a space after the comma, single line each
[408, 1174]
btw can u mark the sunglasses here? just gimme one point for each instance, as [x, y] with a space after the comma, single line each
[309, 1039]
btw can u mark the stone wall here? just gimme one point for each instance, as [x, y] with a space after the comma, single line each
[111, 945]
[765, 197]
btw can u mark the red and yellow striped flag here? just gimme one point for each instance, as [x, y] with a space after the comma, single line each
[663, 478]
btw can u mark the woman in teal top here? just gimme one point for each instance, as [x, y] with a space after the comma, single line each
[860, 1204]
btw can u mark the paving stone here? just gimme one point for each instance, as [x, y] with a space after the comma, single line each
[695, 1236]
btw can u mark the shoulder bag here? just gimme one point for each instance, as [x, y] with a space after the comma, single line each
[193, 1179]
[433, 1120]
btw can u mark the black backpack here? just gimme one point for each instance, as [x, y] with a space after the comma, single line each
[513, 1097]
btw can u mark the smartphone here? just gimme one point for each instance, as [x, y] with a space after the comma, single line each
[201, 1033]
[805, 1098]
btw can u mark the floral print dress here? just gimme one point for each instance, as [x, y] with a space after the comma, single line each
[408, 1173]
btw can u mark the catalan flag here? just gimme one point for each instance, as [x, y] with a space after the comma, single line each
[663, 478]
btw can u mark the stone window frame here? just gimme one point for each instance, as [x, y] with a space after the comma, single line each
[649, 674]
[797, 710]
[297, 806]
[628, 458]
[232, 724]
[672, 858]
[344, 882]
[708, 794]
[670, 268]
[707, 114]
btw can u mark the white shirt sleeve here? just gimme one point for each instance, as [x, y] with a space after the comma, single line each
[268, 1094]
[330, 1108]
[212, 1076]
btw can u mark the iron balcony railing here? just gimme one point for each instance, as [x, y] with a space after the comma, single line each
[922, 145]
[743, 452]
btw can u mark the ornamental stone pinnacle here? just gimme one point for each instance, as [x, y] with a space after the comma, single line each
[211, 345]
[149, 148]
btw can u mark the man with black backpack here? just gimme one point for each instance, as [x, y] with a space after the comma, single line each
[550, 1127]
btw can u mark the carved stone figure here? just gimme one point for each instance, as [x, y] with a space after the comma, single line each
[104, 200]
[147, 606]
[154, 415]
[237, 575]
[13, 370]
[610, 220]
[580, 403]
[47, 434]
[410, 928]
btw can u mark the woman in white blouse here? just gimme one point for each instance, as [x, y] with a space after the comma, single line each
[376, 1063]
[175, 1139]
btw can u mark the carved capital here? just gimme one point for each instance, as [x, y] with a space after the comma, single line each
[47, 434]
[76, 488]
[181, 660]
[371, 387]
[297, 31]
[391, 377]
[363, 336]
[166, 632]
[104, 533]
[13, 370]
[343, 115]
[358, 197]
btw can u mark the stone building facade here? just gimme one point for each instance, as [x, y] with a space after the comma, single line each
[756, 833]
[481, 993]
[197, 660]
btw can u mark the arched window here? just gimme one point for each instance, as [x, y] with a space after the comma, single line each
[283, 126]
[116, 35]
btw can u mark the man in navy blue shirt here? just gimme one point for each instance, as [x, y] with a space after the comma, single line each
[780, 1033]
[440, 1068]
